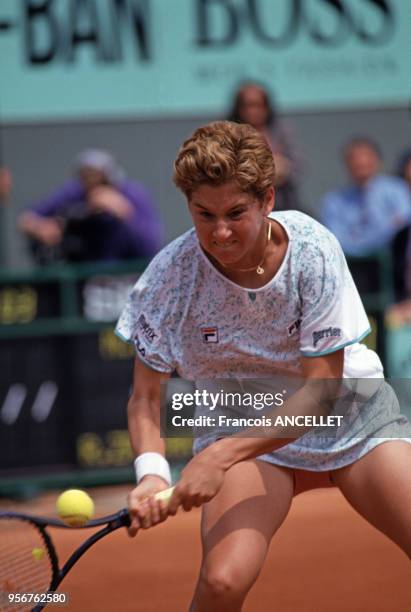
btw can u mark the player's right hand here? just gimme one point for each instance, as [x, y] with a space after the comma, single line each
[146, 511]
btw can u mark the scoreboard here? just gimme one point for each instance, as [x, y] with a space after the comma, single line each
[23, 303]
[54, 390]
[52, 297]
[65, 375]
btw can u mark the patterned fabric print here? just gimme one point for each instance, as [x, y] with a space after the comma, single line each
[311, 305]
[184, 315]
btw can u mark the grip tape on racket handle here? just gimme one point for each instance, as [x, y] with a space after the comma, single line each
[165, 495]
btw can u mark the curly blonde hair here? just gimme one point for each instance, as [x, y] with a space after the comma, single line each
[225, 151]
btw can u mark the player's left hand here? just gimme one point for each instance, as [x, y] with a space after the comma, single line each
[200, 481]
[145, 511]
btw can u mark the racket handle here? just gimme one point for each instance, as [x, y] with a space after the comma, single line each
[165, 495]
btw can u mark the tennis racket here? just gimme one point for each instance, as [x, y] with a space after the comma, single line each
[30, 571]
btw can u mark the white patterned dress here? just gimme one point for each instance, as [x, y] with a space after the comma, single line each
[183, 315]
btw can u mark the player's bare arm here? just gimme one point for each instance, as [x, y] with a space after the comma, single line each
[144, 428]
[204, 475]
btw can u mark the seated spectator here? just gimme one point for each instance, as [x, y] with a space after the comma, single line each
[404, 167]
[368, 213]
[5, 183]
[252, 105]
[99, 215]
[402, 243]
[399, 314]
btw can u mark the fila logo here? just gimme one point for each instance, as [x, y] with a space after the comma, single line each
[294, 327]
[210, 334]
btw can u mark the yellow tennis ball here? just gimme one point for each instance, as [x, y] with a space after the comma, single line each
[75, 507]
[38, 554]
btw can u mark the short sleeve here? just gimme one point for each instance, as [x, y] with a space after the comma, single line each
[146, 321]
[333, 315]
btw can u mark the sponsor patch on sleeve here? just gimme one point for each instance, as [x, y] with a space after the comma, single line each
[146, 331]
[139, 347]
[328, 332]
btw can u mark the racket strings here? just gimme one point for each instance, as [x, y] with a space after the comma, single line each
[25, 563]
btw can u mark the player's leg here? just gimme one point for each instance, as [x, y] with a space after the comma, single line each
[378, 486]
[307, 480]
[237, 526]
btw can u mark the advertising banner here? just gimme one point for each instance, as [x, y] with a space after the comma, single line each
[162, 58]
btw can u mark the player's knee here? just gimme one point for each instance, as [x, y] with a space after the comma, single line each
[221, 583]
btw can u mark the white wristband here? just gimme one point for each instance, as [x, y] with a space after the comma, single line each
[152, 464]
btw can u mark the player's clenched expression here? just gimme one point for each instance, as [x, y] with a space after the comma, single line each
[230, 223]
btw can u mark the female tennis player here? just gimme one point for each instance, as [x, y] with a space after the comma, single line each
[248, 293]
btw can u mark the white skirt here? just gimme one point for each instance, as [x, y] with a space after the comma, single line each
[376, 421]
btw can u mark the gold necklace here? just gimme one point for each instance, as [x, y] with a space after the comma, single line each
[259, 269]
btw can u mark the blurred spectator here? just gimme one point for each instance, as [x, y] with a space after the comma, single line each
[5, 183]
[404, 167]
[252, 105]
[402, 242]
[399, 314]
[367, 214]
[97, 216]
[370, 213]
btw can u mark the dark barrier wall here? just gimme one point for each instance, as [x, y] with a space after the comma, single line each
[63, 399]
[65, 376]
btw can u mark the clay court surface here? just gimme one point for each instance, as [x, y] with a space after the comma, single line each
[325, 558]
